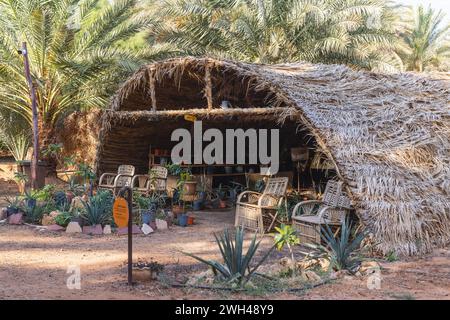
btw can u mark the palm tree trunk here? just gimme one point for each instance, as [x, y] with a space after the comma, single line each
[47, 134]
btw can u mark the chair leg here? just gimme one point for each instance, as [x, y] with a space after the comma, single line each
[236, 216]
[274, 219]
[260, 222]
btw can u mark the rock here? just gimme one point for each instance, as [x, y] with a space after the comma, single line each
[55, 227]
[47, 220]
[77, 203]
[146, 229]
[54, 214]
[93, 230]
[107, 229]
[312, 276]
[124, 230]
[369, 267]
[153, 225]
[161, 224]
[16, 218]
[3, 213]
[73, 227]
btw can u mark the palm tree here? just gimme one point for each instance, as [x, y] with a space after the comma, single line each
[427, 41]
[77, 55]
[359, 33]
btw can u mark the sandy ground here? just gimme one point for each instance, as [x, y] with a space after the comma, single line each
[34, 265]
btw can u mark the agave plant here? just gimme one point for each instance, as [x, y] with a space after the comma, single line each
[342, 249]
[236, 265]
[98, 209]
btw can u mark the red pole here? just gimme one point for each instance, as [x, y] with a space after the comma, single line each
[35, 157]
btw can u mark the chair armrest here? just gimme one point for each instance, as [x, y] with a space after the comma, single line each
[322, 211]
[304, 203]
[136, 178]
[239, 198]
[120, 176]
[104, 176]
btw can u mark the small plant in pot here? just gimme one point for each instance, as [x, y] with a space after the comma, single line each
[146, 270]
[222, 195]
[30, 198]
[13, 205]
[188, 182]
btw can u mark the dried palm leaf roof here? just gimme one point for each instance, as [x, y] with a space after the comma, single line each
[387, 134]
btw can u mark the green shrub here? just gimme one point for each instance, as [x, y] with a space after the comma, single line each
[342, 249]
[98, 209]
[236, 266]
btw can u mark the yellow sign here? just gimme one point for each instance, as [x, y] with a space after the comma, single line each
[120, 212]
[190, 117]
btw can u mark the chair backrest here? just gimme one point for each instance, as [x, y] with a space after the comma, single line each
[334, 195]
[126, 169]
[276, 186]
[158, 178]
[159, 172]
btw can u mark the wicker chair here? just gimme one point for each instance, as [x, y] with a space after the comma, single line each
[252, 208]
[116, 181]
[156, 181]
[309, 216]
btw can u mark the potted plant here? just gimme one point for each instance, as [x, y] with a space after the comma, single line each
[183, 220]
[13, 205]
[30, 198]
[197, 205]
[146, 271]
[188, 182]
[222, 194]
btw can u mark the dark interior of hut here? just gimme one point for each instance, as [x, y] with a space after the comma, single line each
[149, 141]
[298, 157]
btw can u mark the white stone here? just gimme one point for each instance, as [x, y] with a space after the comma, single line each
[161, 224]
[73, 227]
[107, 229]
[146, 229]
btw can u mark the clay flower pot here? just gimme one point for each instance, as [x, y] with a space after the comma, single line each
[190, 220]
[222, 204]
[190, 188]
[144, 274]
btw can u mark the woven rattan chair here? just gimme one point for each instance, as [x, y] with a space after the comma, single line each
[252, 208]
[116, 181]
[156, 181]
[309, 216]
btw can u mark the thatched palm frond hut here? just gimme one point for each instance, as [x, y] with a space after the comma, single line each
[387, 135]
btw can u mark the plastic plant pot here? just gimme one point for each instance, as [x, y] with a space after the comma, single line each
[197, 205]
[183, 220]
[147, 217]
[31, 203]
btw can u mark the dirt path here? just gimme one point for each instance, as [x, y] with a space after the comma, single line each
[33, 265]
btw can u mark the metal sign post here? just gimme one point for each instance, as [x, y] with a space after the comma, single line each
[117, 212]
